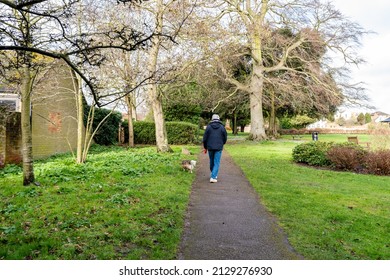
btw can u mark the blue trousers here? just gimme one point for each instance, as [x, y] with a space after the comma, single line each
[215, 161]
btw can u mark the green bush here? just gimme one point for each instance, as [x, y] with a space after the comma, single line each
[285, 123]
[312, 153]
[108, 131]
[144, 133]
[183, 113]
[298, 121]
[178, 133]
[182, 133]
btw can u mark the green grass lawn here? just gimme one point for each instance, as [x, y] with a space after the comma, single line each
[308, 137]
[330, 137]
[130, 204]
[121, 204]
[326, 214]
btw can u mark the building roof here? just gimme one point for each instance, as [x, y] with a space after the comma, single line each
[386, 120]
[379, 113]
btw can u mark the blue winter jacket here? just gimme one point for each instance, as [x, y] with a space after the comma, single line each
[215, 136]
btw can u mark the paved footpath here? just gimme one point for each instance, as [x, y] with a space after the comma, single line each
[226, 220]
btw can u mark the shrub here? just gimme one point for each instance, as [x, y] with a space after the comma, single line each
[378, 162]
[347, 156]
[312, 153]
[178, 133]
[182, 133]
[108, 131]
[285, 123]
[343, 156]
[144, 133]
[183, 113]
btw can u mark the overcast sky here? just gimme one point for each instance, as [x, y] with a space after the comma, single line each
[372, 15]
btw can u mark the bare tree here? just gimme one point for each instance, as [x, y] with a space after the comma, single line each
[310, 21]
[124, 74]
[168, 17]
[124, 71]
[30, 28]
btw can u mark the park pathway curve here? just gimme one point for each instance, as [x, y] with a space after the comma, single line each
[226, 220]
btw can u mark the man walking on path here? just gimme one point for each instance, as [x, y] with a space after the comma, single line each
[214, 138]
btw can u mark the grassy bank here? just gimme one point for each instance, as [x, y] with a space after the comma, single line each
[121, 204]
[326, 214]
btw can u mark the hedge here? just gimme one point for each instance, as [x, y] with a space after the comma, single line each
[178, 133]
[108, 131]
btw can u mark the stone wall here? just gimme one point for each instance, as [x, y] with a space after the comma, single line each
[54, 118]
[10, 139]
[54, 113]
[14, 139]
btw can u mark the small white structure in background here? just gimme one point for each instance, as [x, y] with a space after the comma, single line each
[318, 124]
[346, 114]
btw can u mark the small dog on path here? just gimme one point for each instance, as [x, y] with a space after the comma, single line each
[188, 165]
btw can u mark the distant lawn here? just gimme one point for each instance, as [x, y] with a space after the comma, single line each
[330, 137]
[121, 204]
[326, 214]
[308, 137]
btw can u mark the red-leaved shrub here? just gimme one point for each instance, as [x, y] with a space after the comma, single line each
[378, 162]
[347, 157]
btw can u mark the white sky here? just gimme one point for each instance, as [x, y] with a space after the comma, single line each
[373, 15]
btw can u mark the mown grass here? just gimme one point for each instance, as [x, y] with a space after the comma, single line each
[130, 204]
[326, 214]
[330, 137]
[121, 204]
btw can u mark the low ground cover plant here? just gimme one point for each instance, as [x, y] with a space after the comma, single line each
[121, 204]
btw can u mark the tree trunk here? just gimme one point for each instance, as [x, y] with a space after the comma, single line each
[88, 133]
[273, 131]
[161, 132]
[154, 97]
[28, 169]
[256, 29]
[257, 132]
[80, 121]
[234, 121]
[130, 107]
